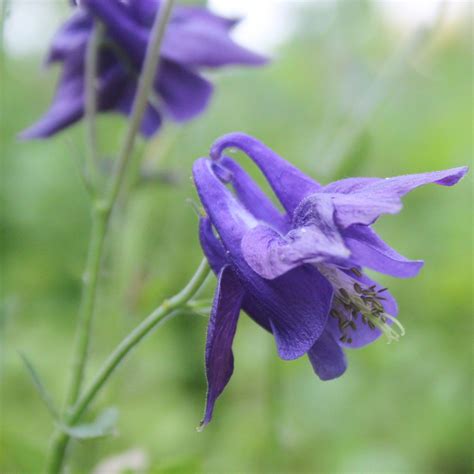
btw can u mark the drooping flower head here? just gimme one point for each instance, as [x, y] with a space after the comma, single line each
[298, 273]
[194, 39]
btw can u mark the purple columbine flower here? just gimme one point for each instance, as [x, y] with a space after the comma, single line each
[298, 273]
[194, 39]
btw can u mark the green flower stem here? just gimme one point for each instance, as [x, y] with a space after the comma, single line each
[92, 156]
[103, 209]
[89, 291]
[164, 312]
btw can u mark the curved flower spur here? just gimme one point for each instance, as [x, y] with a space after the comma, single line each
[298, 274]
[194, 39]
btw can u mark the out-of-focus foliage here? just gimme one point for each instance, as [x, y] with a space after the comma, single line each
[399, 408]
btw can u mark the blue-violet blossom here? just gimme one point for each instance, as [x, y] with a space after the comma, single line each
[194, 39]
[298, 273]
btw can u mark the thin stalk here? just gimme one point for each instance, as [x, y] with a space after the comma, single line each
[89, 292]
[131, 340]
[145, 83]
[164, 312]
[91, 78]
[103, 210]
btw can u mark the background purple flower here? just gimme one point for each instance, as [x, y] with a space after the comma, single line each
[194, 39]
[298, 273]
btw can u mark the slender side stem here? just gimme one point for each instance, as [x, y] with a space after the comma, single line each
[164, 312]
[132, 339]
[103, 210]
[91, 78]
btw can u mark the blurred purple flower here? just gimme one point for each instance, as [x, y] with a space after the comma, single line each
[298, 273]
[194, 39]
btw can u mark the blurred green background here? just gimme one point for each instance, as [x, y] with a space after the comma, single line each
[345, 94]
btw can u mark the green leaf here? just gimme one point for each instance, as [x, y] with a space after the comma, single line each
[43, 393]
[102, 426]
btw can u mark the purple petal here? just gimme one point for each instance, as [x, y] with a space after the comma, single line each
[253, 198]
[72, 35]
[191, 14]
[199, 42]
[216, 256]
[211, 246]
[314, 238]
[327, 357]
[144, 11]
[185, 93]
[398, 185]
[270, 254]
[401, 185]
[227, 215]
[220, 335]
[151, 121]
[363, 208]
[348, 185]
[288, 183]
[68, 103]
[59, 116]
[369, 250]
[67, 106]
[297, 303]
[128, 34]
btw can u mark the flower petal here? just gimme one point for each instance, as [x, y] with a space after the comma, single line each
[363, 208]
[253, 198]
[212, 248]
[72, 35]
[314, 238]
[399, 185]
[189, 13]
[369, 250]
[68, 103]
[216, 256]
[120, 25]
[327, 357]
[270, 254]
[185, 93]
[287, 181]
[296, 303]
[67, 106]
[220, 335]
[228, 216]
[144, 12]
[348, 185]
[198, 42]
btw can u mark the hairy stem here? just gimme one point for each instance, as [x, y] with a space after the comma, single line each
[164, 312]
